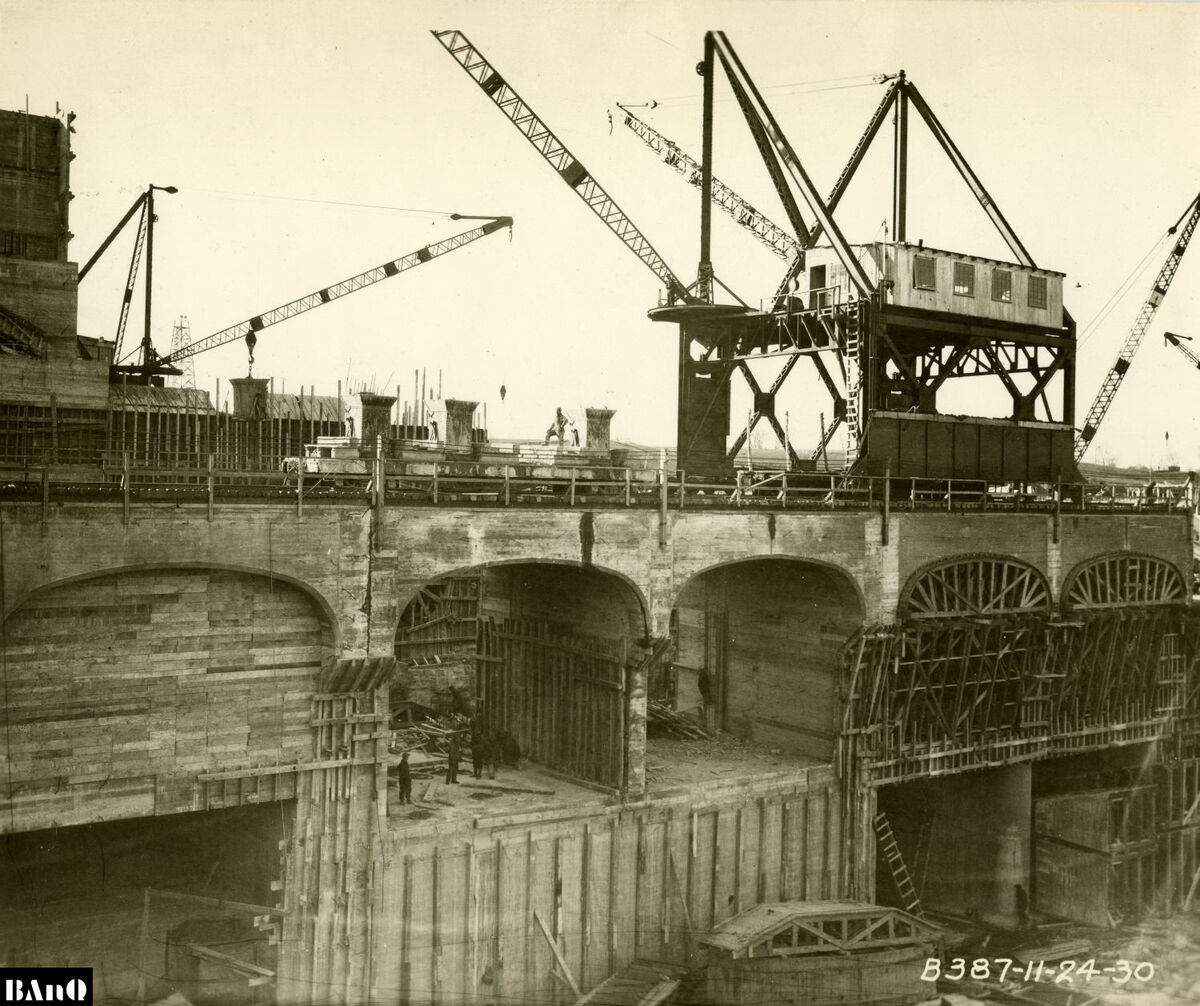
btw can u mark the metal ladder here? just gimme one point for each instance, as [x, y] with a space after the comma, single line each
[895, 861]
[853, 380]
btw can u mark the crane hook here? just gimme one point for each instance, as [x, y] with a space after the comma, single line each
[251, 342]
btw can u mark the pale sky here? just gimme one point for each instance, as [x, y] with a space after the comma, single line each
[303, 136]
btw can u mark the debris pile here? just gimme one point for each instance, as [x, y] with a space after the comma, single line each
[662, 719]
[427, 743]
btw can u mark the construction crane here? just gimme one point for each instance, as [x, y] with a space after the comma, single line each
[247, 329]
[1177, 341]
[561, 159]
[766, 230]
[144, 240]
[1183, 227]
[181, 335]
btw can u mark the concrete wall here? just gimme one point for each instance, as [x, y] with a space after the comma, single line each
[329, 567]
[34, 169]
[121, 688]
[45, 293]
[782, 624]
[364, 580]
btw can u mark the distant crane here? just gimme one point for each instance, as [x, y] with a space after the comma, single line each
[766, 230]
[247, 329]
[1184, 227]
[1177, 341]
[181, 335]
[144, 241]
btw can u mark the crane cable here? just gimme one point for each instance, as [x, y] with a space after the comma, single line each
[795, 87]
[327, 202]
[1117, 295]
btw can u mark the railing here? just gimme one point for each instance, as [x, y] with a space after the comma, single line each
[467, 484]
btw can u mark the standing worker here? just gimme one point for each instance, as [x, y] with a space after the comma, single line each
[557, 427]
[478, 743]
[404, 778]
[452, 756]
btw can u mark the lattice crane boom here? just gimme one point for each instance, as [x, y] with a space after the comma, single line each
[559, 157]
[766, 230]
[1184, 228]
[247, 329]
[1177, 342]
[134, 262]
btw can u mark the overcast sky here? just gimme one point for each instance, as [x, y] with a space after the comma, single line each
[313, 140]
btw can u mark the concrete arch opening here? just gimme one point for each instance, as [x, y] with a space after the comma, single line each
[136, 701]
[154, 676]
[758, 647]
[525, 655]
[152, 905]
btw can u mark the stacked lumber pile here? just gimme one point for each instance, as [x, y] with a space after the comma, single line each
[427, 744]
[662, 719]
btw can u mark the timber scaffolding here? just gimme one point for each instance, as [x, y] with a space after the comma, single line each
[983, 670]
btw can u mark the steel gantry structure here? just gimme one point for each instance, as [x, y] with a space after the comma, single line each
[893, 354]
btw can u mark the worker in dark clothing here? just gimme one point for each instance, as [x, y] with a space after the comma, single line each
[479, 740]
[490, 757]
[459, 706]
[557, 427]
[452, 757]
[404, 777]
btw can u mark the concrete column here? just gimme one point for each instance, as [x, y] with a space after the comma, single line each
[250, 397]
[599, 426]
[635, 742]
[460, 422]
[376, 421]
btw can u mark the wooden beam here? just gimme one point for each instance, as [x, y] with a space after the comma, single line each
[566, 970]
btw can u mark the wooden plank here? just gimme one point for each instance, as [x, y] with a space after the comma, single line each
[599, 905]
[625, 857]
[770, 851]
[569, 918]
[558, 957]
[650, 894]
[725, 865]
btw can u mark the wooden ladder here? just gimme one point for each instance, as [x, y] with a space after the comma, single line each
[895, 861]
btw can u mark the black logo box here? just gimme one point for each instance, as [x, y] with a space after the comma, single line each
[45, 985]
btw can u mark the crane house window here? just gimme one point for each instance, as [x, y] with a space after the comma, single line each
[1037, 291]
[818, 295]
[1002, 286]
[964, 279]
[924, 272]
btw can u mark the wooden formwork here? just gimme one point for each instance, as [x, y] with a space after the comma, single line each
[334, 852]
[1179, 833]
[966, 693]
[457, 910]
[562, 695]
